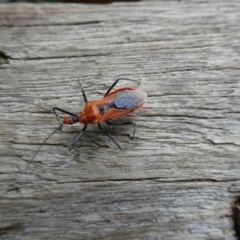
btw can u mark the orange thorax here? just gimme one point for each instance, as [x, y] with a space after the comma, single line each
[90, 114]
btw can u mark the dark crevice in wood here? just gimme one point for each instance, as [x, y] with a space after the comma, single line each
[4, 58]
[14, 189]
[222, 143]
[11, 229]
[98, 1]
[52, 24]
[155, 179]
[62, 57]
[183, 116]
[236, 217]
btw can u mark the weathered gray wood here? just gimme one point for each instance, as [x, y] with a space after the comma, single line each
[178, 178]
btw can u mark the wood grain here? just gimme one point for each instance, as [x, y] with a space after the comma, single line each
[179, 177]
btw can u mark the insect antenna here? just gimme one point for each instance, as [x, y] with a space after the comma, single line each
[41, 147]
[28, 101]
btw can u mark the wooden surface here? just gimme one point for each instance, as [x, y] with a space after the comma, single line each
[179, 177]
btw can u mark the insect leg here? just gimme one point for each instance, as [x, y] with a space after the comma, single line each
[115, 82]
[105, 132]
[64, 111]
[77, 138]
[124, 123]
[41, 147]
[83, 93]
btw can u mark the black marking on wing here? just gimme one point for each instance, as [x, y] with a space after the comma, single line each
[127, 100]
[103, 108]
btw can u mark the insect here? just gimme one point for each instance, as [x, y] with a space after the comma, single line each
[115, 104]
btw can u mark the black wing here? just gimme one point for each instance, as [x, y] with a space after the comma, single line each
[129, 99]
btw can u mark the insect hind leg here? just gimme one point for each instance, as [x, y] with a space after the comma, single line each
[124, 123]
[106, 133]
[115, 83]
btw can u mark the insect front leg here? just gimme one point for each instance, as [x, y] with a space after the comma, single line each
[41, 146]
[77, 138]
[64, 111]
[71, 114]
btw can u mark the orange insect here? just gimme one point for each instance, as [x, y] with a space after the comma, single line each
[115, 104]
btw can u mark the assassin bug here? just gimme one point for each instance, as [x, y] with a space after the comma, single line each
[115, 104]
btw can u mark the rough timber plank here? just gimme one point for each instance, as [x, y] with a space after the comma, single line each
[178, 178]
